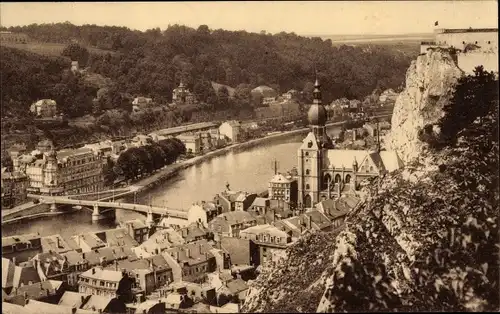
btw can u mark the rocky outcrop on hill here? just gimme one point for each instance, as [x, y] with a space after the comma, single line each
[427, 237]
[430, 82]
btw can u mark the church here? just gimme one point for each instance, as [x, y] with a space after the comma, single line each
[325, 172]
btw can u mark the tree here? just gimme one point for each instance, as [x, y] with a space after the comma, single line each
[76, 53]
[242, 95]
[109, 173]
[223, 97]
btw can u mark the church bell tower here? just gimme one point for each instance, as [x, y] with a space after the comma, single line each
[312, 151]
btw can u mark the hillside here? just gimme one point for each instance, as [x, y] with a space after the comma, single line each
[427, 238]
[152, 63]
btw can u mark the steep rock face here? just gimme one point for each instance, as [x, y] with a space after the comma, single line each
[430, 82]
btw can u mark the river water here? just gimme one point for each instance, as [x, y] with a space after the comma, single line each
[247, 170]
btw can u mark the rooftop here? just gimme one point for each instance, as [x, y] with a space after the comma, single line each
[117, 237]
[187, 128]
[279, 178]
[162, 239]
[65, 153]
[192, 253]
[264, 229]
[73, 299]
[22, 238]
[103, 274]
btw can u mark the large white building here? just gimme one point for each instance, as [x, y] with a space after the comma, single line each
[476, 46]
[325, 172]
[231, 129]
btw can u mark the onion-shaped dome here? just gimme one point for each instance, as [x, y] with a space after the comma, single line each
[316, 115]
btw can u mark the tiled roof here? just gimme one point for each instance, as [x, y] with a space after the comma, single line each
[319, 219]
[222, 222]
[36, 290]
[73, 152]
[25, 275]
[173, 299]
[90, 239]
[103, 274]
[10, 308]
[8, 270]
[22, 238]
[117, 237]
[56, 243]
[135, 224]
[259, 201]
[162, 239]
[97, 302]
[236, 286]
[73, 299]
[469, 30]
[238, 249]
[279, 178]
[43, 307]
[187, 128]
[345, 157]
[199, 251]
[264, 229]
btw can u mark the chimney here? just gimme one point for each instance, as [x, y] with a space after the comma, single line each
[188, 253]
[83, 255]
[93, 271]
[58, 242]
[74, 309]
[14, 261]
[116, 265]
[25, 297]
[82, 299]
[309, 221]
[99, 311]
[201, 248]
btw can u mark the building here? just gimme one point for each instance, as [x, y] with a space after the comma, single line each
[21, 248]
[117, 237]
[388, 97]
[14, 186]
[149, 274]
[259, 93]
[268, 238]
[283, 188]
[88, 242]
[231, 223]
[69, 171]
[260, 205]
[234, 200]
[141, 140]
[137, 229]
[291, 94]
[46, 291]
[195, 259]
[45, 108]
[160, 241]
[102, 282]
[195, 127]
[241, 251]
[231, 129]
[182, 95]
[475, 46]
[192, 141]
[56, 243]
[325, 172]
[15, 276]
[337, 209]
[142, 102]
[104, 148]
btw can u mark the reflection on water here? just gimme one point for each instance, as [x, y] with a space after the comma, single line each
[248, 170]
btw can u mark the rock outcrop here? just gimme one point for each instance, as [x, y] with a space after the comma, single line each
[430, 82]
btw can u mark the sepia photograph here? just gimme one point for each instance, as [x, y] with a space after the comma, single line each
[249, 157]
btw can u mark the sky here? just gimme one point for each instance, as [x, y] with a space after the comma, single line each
[300, 17]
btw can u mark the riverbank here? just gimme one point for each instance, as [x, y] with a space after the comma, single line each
[164, 175]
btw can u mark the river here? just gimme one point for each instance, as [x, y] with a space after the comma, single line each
[247, 170]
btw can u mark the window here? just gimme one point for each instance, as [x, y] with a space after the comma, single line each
[307, 186]
[489, 42]
[307, 153]
[307, 171]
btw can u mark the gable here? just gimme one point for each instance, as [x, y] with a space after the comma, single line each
[310, 142]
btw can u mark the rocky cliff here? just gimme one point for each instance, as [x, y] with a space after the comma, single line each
[427, 237]
[430, 82]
